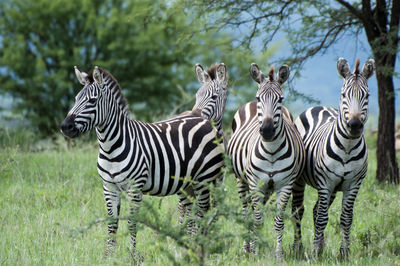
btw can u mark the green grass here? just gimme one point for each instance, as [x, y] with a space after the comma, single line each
[49, 197]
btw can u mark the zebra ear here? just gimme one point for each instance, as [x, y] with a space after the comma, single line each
[256, 74]
[368, 68]
[84, 76]
[97, 75]
[283, 74]
[80, 76]
[221, 73]
[343, 67]
[202, 76]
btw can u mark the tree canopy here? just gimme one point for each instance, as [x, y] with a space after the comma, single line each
[151, 47]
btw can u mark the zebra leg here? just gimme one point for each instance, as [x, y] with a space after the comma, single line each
[185, 204]
[258, 221]
[243, 190]
[113, 203]
[202, 194]
[346, 219]
[320, 220]
[315, 210]
[281, 202]
[135, 197]
[297, 212]
[181, 209]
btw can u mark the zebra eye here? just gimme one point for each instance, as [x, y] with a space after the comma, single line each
[214, 97]
[92, 100]
[257, 98]
[343, 94]
[281, 99]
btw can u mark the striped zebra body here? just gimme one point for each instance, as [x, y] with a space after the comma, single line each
[157, 156]
[336, 155]
[157, 159]
[267, 151]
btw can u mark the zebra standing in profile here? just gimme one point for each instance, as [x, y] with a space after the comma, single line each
[266, 149]
[210, 104]
[336, 154]
[142, 158]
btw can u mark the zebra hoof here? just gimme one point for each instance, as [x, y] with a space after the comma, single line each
[298, 250]
[109, 251]
[137, 258]
[246, 246]
[317, 251]
[279, 257]
[252, 247]
[344, 253]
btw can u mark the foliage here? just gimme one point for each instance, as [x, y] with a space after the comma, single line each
[309, 27]
[149, 46]
[53, 212]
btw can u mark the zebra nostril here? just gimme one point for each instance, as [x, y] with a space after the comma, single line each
[355, 124]
[267, 129]
[68, 125]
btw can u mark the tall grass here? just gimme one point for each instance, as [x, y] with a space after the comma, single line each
[51, 199]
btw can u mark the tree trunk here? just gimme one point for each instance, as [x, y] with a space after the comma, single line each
[387, 169]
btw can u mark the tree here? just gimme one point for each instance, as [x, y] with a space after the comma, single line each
[312, 27]
[148, 45]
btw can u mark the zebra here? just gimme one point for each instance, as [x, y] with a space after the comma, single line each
[210, 104]
[157, 159]
[336, 155]
[267, 152]
[211, 96]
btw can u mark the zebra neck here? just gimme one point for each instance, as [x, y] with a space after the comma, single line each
[342, 141]
[112, 134]
[218, 126]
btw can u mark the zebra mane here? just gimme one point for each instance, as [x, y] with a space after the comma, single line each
[271, 73]
[212, 72]
[116, 89]
[356, 69]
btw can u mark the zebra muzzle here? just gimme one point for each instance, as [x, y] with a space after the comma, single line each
[68, 127]
[356, 127]
[267, 129]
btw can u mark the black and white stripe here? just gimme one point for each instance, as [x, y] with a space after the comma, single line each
[336, 154]
[267, 151]
[157, 159]
[210, 104]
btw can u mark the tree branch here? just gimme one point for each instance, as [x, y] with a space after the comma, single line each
[352, 9]
[332, 32]
[395, 21]
[382, 15]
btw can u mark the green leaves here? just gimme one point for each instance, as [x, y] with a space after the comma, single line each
[151, 48]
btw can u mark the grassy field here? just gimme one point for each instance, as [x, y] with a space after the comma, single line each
[51, 197]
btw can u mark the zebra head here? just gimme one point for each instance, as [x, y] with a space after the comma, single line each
[269, 99]
[353, 108]
[84, 115]
[211, 97]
